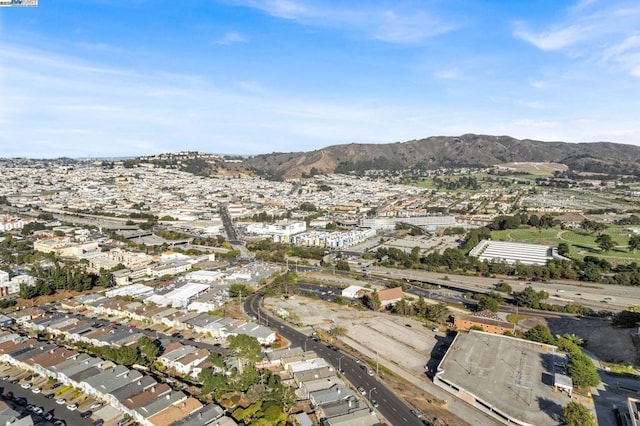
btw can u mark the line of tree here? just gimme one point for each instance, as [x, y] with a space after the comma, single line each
[580, 367]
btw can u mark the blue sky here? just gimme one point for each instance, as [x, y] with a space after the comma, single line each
[118, 78]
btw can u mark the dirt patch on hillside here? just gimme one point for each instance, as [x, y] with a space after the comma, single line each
[606, 342]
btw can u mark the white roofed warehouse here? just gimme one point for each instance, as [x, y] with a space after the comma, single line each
[513, 253]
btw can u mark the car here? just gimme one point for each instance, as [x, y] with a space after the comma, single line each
[20, 400]
[72, 407]
[56, 385]
[36, 390]
[86, 414]
[356, 360]
[47, 416]
[59, 423]
[341, 371]
[38, 410]
[5, 377]
[95, 405]
[50, 395]
[374, 403]
[25, 385]
[361, 390]
[61, 401]
[30, 407]
[370, 372]
[98, 422]
[416, 413]
[122, 422]
[14, 381]
[435, 329]
[407, 325]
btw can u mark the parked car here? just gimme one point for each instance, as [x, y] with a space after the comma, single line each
[36, 390]
[72, 407]
[374, 403]
[95, 405]
[25, 385]
[361, 390]
[86, 414]
[370, 372]
[416, 413]
[61, 401]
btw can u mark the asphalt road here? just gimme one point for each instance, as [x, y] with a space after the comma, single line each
[61, 412]
[394, 409]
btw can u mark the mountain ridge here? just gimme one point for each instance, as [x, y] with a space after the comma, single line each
[468, 150]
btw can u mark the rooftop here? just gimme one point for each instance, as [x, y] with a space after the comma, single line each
[513, 376]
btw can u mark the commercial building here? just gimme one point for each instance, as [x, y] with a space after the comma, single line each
[509, 379]
[513, 253]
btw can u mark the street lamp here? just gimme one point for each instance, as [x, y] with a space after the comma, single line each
[370, 392]
[340, 363]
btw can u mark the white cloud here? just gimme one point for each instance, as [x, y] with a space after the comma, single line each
[593, 31]
[230, 38]
[555, 39]
[448, 74]
[398, 22]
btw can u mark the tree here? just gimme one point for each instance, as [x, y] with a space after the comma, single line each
[540, 333]
[487, 302]
[582, 371]
[148, 349]
[245, 347]
[576, 414]
[342, 265]
[238, 290]
[503, 287]
[605, 242]
[372, 300]
[634, 242]
[563, 249]
[437, 313]
[530, 298]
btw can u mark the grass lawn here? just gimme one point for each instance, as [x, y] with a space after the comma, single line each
[580, 243]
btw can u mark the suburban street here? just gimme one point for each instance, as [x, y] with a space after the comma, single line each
[394, 409]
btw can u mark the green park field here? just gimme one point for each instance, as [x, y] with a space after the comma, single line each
[580, 243]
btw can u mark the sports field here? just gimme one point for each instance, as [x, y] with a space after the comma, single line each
[580, 243]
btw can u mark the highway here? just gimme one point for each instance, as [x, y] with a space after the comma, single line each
[394, 409]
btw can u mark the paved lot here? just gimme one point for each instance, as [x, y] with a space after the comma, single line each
[407, 346]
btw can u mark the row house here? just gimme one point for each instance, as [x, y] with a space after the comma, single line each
[184, 359]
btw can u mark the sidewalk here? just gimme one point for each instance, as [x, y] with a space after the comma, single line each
[453, 404]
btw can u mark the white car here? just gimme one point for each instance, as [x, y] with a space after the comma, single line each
[95, 405]
[36, 390]
[61, 401]
[72, 407]
[362, 391]
[25, 385]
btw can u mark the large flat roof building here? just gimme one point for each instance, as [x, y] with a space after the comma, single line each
[513, 253]
[510, 379]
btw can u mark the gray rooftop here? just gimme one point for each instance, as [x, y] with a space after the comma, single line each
[133, 388]
[161, 403]
[113, 378]
[506, 374]
[206, 415]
